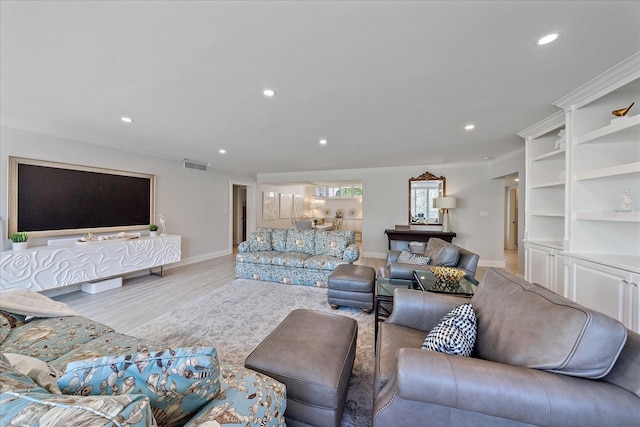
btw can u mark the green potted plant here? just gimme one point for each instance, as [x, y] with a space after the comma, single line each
[20, 240]
[153, 230]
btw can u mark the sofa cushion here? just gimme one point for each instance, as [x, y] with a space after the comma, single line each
[246, 398]
[349, 235]
[43, 409]
[177, 381]
[330, 244]
[524, 324]
[289, 259]
[111, 343]
[455, 333]
[260, 241]
[442, 253]
[407, 257]
[41, 337]
[279, 239]
[257, 257]
[323, 262]
[301, 241]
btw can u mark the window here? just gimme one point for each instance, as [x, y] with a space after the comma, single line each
[347, 191]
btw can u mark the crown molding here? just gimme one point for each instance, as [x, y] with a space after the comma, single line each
[546, 125]
[612, 79]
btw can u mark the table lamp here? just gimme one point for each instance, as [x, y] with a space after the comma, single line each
[446, 203]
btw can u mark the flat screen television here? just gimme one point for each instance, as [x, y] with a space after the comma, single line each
[56, 199]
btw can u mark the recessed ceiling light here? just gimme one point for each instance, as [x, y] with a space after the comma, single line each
[517, 179]
[323, 141]
[222, 151]
[547, 39]
[126, 119]
[269, 92]
[488, 158]
[469, 127]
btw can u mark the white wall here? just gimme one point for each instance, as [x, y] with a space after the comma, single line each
[508, 165]
[195, 204]
[385, 204]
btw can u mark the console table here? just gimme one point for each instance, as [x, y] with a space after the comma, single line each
[418, 235]
[47, 267]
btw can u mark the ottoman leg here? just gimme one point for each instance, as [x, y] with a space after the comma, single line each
[366, 310]
[334, 306]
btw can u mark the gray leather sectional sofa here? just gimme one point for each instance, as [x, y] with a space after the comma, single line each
[441, 253]
[539, 359]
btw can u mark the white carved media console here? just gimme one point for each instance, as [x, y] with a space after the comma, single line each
[47, 267]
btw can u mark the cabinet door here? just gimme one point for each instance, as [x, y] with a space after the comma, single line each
[606, 289]
[539, 265]
[557, 273]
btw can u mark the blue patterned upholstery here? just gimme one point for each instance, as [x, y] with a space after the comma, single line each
[231, 396]
[177, 382]
[260, 241]
[47, 339]
[37, 409]
[299, 257]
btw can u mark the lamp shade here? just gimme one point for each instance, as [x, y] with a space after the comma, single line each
[446, 202]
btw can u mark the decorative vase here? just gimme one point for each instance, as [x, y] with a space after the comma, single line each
[18, 246]
[153, 233]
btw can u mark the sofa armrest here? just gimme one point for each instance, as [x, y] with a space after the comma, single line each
[392, 256]
[421, 310]
[401, 270]
[504, 391]
[351, 253]
[243, 247]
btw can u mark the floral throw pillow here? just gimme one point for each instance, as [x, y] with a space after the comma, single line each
[260, 241]
[176, 381]
[455, 333]
[407, 257]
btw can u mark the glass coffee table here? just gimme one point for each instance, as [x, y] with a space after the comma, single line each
[423, 280]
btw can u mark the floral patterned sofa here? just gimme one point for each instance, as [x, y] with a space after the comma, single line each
[81, 372]
[295, 257]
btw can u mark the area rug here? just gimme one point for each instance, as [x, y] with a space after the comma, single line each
[238, 316]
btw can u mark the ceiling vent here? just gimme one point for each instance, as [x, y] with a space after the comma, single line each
[195, 165]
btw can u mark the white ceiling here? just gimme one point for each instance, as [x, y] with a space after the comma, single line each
[387, 83]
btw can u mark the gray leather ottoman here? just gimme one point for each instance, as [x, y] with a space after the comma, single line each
[312, 353]
[352, 285]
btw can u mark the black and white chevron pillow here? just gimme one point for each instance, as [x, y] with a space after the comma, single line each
[407, 257]
[455, 333]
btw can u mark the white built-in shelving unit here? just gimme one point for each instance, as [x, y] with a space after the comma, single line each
[593, 247]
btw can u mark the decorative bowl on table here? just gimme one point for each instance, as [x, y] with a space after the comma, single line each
[448, 276]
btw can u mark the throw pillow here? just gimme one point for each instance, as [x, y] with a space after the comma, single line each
[279, 239]
[40, 372]
[407, 257]
[11, 379]
[177, 381]
[260, 241]
[301, 241]
[330, 244]
[442, 253]
[455, 333]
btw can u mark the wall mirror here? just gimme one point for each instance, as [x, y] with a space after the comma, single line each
[423, 190]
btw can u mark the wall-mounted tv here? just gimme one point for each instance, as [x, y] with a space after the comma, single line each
[56, 199]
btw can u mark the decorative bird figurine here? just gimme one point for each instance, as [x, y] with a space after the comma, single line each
[623, 111]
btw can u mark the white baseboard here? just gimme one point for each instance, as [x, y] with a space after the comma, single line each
[491, 263]
[102, 285]
[382, 255]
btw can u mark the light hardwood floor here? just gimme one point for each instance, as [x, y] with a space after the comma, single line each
[144, 298]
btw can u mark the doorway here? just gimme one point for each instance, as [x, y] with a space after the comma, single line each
[512, 219]
[242, 213]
